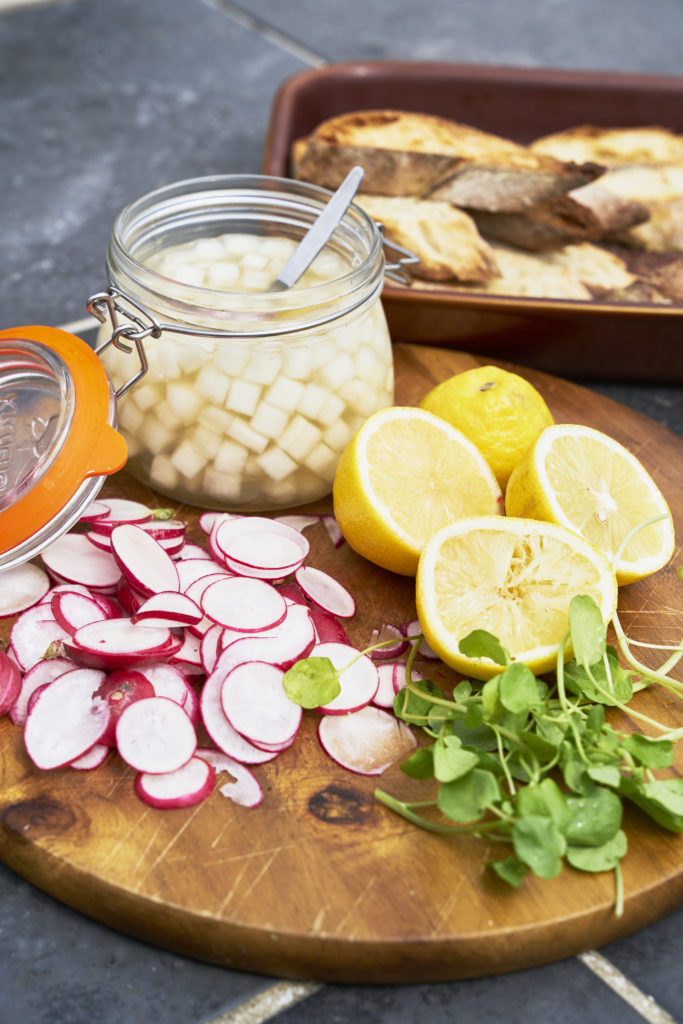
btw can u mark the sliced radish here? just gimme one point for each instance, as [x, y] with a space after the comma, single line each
[325, 591]
[291, 640]
[291, 591]
[119, 643]
[72, 610]
[188, 656]
[256, 705]
[245, 789]
[122, 510]
[168, 681]
[259, 545]
[367, 741]
[413, 628]
[66, 719]
[73, 559]
[210, 647]
[219, 728]
[184, 787]
[10, 683]
[102, 541]
[32, 635]
[328, 628]
[95, 510]
[170, 607]
[22, 587]
[164, 529]
[384, 697]
[333, 530]
[399, 676]
[119, 689]
[298, 522]
[191, 550]
[208, 520]
[244, 604]
[92, 758]
[128, 597]
[42, 672]
[358, 677]
[155, 735]
[143, 561]
[394, 643]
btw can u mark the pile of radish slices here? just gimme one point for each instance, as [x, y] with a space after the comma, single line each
[134, 639]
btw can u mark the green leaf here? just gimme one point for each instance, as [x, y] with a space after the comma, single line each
[605, 774]
[539, 843]
[662, 804]
[420, 764]
[465, 799]
[511, 870]
[517, 688]
[544, 800]
[311, 682]
[618, 686]
[588, 631]
[463, 690]
[595, 818]
[653, 753]
[450, 760]
[409, 706]
[599, 858]
[474, 716]
[490, 696]
[482, 644]
[482, 737]
[540, 747]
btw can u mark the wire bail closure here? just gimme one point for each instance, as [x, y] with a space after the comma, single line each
[103, 306]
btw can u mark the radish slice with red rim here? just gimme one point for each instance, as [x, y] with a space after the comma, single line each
[245, 789]
[32, 635]
[298, 521]
[325, 591]
[328, 628]
[96, 510]
[73, 559]
[208, 520]
[143, 561]
[390, 650]
[22, 587]
[66, 719]
[119, 689]
[384, 698]
[413, 628]
[171, 608]
[219, 728]
[73, 610]
[119, 643]
[10, 683]
[358, 677]
[92, 758]
[155, 735]
[122, 510]
[188, 656]
[399, 676]
[333, 530]
[260, 544]
[41, 673]
[366, 742]
[210, 647]
[184, 787]
[256, 705]
[244, 604]
[192, 550]
[167, 681]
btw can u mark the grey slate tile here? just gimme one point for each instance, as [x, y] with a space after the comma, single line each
[612, 34]
[99, 102]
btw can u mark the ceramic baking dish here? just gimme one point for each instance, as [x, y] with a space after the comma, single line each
[580, 339]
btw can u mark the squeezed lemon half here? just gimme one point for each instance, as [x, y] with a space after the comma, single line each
[402, 476]
[583, 479]
[512, 577]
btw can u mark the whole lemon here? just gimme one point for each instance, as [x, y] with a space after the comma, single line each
[499, 411]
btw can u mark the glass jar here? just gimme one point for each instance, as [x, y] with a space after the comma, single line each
[243, 399]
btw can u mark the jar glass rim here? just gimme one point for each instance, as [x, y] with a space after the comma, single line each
[188, 206]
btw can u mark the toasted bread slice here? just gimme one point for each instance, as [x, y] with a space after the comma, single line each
[612, 147]
[406, 153]
[661, 233]
[445, 239]
[546, 225]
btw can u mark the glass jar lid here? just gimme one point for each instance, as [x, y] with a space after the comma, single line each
[57, 437]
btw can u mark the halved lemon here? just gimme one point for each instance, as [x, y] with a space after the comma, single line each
[403, 475]
[583, 479]
[512, 577]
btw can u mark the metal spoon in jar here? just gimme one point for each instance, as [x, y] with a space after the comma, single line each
[320, 231]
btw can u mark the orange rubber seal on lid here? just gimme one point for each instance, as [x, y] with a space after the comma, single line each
[92, 446]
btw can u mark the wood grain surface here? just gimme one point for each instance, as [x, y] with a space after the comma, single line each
[320, 881]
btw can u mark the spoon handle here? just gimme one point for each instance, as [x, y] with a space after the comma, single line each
[319, 232]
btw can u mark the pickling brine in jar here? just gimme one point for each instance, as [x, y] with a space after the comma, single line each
[249, 396]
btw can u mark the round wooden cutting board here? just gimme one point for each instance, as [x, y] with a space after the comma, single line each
[321, 881]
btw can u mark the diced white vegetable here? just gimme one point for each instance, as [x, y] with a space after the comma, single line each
[286, 393]
[184, 400]
[299, 437]
[163, 473]
[276, 463]
[187, 460]
[269, 420]
[332, 410]
[338, 371]
[243, 397]
[212, 384]
[244, 434]
[223, 276]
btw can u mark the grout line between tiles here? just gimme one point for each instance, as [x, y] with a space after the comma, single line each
[269, 32]
[268, 1004]
[644, 1004]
